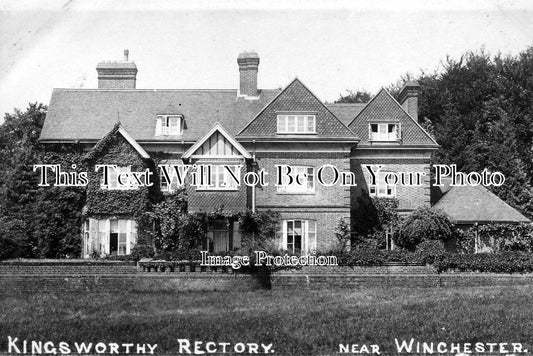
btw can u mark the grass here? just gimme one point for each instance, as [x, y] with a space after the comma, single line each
[295, 321]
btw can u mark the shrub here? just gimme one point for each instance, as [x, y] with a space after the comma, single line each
[497, 237]
[432, 252]
[424, 224]
[141, 251]
[504, 262]
[342, 233]
[372, 257]
[428, 252]
[258, 229]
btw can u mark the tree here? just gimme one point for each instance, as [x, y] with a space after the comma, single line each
[18, 153]
[359, 96]
[35, 221]
[424, 224]
[480, 110]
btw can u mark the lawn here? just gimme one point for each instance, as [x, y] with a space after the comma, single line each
[294, 321]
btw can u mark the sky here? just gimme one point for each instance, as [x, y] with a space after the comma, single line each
[331, 46]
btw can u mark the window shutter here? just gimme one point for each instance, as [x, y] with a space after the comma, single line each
[283, 244]
[159, 126]
[106, 236]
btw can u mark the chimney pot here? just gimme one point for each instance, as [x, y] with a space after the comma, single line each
[248, 68]
[118, 74]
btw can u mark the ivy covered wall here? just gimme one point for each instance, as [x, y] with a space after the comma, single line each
[114, 149]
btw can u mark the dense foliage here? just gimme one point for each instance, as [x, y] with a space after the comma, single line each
[478, 108]
[178, 234]
[424, 224]
[35, 221]
[370, 218]
[498, 237]
[503, 262]
[357, 97]
[480, 112]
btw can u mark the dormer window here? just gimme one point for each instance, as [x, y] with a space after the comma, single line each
[296, 124]
[168, 125]
[384, 132]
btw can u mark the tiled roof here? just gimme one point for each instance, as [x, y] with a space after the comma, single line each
[471, 204]
[297, 98]
[384, 108]
[89, 114]
[346, 112]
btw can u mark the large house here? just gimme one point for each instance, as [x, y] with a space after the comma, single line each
[255, 128]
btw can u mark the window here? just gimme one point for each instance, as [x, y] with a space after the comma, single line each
[223, 235]
[164, 185]
[382, 189]
[168, 125]
[296, 124]
[299, 236]
[112, 179]
[116, 236]
[307, 178]
[223, 178]
[384, 132]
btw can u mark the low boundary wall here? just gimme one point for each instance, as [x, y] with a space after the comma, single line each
[23, 276]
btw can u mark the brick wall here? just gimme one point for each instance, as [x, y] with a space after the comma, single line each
[326, 205]
[326, 221]
[117, 83]
[409, 197]
[334, 196]
[54, 276]
[60, 267]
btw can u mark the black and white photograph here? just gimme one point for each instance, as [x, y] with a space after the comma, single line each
[266, 177]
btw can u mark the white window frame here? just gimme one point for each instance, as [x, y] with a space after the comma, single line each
[384, 134]
[104, 235]
[308, 236]
[166, 127]
[382, 189]
[308, 186]
[221, 179]
[296, 124]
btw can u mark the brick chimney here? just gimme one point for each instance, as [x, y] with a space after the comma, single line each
[408, 98]
[248, 64]
[117, 74]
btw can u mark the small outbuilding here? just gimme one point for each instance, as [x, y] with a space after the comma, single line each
[470, 206]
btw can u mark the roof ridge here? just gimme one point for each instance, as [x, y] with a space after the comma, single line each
[146, 89]
[347, 104]
[366, 106]
[266, 106]
[296, 79]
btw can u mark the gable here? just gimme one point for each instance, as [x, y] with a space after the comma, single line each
[105, 143]
[296, 98]
[383, 108]
[216, 142]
